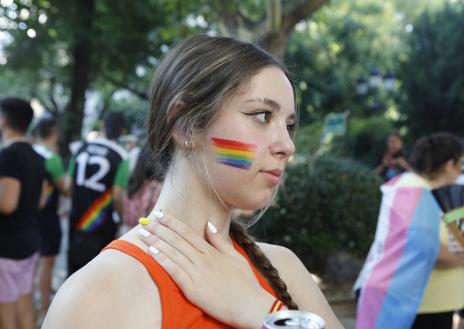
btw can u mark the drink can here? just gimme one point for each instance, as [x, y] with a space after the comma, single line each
[288, 319]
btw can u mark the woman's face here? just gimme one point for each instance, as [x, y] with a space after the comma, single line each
[394, 143]
[247, 146]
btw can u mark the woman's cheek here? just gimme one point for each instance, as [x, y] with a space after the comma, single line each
[234, 153]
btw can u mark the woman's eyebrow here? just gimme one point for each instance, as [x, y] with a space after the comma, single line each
[266, 101]
[271, 103]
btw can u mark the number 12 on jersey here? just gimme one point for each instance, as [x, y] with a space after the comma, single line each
[94, 182]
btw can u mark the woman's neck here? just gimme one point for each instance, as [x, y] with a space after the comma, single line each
[185, 197]
[436, 182]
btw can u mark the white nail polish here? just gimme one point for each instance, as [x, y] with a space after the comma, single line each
[143, 232]
[158, 214]
[212, 228]
[153, 250]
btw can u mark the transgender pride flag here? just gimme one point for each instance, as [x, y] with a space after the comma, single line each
[401, 257]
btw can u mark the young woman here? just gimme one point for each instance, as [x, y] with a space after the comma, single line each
[221, 122]
[398, 279]
[393, 161]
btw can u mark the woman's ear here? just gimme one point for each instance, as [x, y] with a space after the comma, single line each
[175, 110]
[451, 166]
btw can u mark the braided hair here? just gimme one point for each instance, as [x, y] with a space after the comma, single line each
[239, 234]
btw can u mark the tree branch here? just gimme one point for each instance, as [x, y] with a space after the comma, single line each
[232, 21]
[296, 10]
[56, 108]
[119, 84]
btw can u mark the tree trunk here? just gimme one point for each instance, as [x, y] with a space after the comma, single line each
[274, 30]
[80, 79]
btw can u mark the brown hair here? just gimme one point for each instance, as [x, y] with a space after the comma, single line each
[201, 73]
[431, 152]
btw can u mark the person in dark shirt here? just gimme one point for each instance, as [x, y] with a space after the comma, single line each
[22, 187]
[99, 172]
[47, 132]
[393, 161]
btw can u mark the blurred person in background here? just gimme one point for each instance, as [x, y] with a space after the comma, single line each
[143, 190]
[99, 174]
[409, 242]
[133, 150]
[47, 133]
[393, 161]
[22, 192]
[460, 313]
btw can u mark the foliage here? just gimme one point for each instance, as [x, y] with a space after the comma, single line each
[65, 50]
[366, 138]
[364, 141]
[307, 139]
[339, 45]
[433, 74]
[326, 205]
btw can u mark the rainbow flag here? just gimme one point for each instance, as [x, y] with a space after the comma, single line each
[49, 192]
[401, 257]
[234, 153]
[96, 214]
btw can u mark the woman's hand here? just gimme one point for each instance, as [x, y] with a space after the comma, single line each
[213, 276]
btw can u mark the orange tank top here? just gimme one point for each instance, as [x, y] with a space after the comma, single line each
[177, 311]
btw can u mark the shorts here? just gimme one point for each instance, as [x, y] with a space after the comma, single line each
[50, 236]
[16, 277]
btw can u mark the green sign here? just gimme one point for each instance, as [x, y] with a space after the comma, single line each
[335, 124]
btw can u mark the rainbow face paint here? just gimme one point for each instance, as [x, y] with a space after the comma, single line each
[234, 153]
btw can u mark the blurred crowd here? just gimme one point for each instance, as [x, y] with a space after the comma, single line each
[414, 272]
[103, 191]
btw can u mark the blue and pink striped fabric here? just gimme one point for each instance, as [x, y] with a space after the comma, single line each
[401, 257]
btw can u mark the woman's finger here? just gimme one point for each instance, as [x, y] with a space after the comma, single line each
[183, 230]
[180, 277]
[171, 239]
[218, 241]
[173, 254]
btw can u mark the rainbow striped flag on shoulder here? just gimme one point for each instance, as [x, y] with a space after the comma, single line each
[402, 256]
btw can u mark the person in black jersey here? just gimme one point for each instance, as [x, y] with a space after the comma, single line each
[22, 182]
[99, 173]
[47, 133]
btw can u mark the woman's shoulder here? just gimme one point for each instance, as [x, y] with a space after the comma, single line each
[113, 290]
[290, 268]
[278, 255]
[300, 283]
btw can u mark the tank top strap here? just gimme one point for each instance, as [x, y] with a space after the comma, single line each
[261, 279]
[165, 285]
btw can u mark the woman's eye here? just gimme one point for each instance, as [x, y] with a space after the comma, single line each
[263, 117]
[291, 127]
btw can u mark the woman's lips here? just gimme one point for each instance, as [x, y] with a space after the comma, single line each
[273, 176]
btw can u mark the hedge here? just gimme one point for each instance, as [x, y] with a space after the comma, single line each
[326, 205]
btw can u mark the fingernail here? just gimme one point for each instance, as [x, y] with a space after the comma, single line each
[212, 228]
[158, 214]
[153, 250]
[144, 232]
[144, 221]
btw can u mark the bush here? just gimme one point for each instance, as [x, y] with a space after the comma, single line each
[307, 139]
[364, 141]
[367, 138]
[326, 205]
